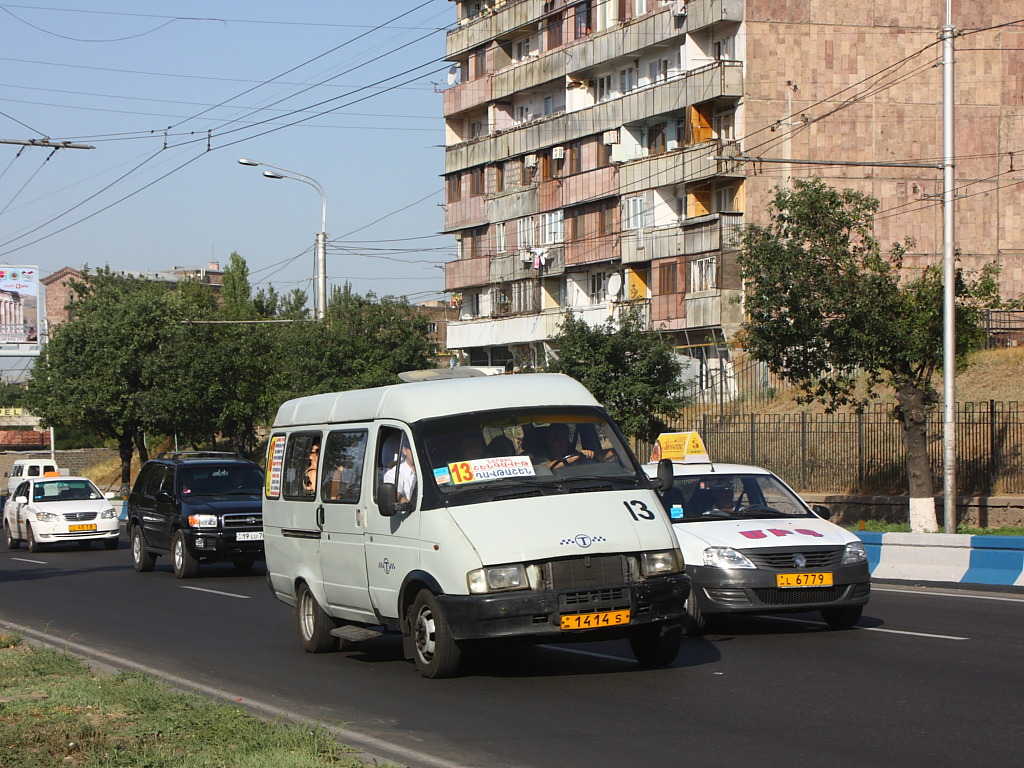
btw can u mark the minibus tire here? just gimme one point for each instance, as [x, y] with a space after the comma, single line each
[142, 558]
[656, 645]
[312, 625]
[436, 652]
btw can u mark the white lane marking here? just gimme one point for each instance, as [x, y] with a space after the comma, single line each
[867, 629]
[578, 652]
[218, 592]
[948, 594]
[26, 560]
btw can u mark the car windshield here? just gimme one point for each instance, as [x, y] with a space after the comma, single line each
[539, 450]
[65, 490]
[242, 479]
[730, 496]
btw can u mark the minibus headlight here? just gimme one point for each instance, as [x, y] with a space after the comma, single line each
[726, 557]
[496, 578]
[855, 553]
[662, 563]
[202, 521]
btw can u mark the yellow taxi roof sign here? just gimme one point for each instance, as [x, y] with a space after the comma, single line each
[680, 446]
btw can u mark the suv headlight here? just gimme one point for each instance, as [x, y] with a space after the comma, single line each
[46, 517]
[726, 557]
[497, 578]
[662, 563]
[854, 553]
[202, 521]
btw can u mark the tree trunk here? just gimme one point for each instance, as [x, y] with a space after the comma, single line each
[125, 448]
[140, 443]
[913, 414]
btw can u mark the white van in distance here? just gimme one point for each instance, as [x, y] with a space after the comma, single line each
[466, 508]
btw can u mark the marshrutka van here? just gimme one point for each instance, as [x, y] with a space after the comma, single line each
[467, 507]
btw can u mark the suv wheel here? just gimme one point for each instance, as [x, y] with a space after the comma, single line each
[142, 558]
[185, 563]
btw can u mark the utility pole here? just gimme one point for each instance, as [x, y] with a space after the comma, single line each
[949, 281]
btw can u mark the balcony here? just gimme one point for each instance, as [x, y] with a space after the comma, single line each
[690, 237]
[704, 13]
[506, 17]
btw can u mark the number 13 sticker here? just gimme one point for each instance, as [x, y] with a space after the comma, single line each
[638, 510]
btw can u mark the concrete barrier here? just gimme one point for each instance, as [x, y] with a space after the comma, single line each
[946, 559]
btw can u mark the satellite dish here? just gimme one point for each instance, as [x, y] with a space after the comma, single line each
[615, 284]
[453, 74]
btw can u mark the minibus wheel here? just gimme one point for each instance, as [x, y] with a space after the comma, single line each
[656, 645]
[436, 652]
[312, 625]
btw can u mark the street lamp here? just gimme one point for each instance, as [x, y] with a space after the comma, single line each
[320, 265]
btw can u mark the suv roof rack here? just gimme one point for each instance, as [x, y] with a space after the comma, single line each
[175, 455]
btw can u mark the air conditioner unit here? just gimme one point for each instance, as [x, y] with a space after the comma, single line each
[611, 137]
[526, 257]
[530, 161]
[558, 153]
[678, 7]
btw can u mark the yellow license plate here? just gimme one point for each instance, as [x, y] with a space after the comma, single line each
[595, 620]
[803, 580]
[89, 527]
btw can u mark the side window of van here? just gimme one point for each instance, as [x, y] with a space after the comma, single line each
[396, 463]
[301, 462]
[33, 470]
[343, 455]
[17, 470]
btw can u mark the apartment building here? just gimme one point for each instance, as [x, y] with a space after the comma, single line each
[602, 154]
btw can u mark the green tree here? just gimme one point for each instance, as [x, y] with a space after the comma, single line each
[96, 372]
[629, 368]
[827, 308]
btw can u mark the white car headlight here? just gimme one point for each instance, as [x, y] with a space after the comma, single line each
[496, 578]
[46, 517]
[202, 521]
[107, 514]
[726, 557]
[854, 553]
[662, 563]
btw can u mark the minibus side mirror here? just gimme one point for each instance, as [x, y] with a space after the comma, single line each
[822, 511]
[666, 476]
[387, 499]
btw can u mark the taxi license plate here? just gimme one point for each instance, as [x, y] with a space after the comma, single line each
[803, 580]
[89, 527]
[249, 536]
[595, 620]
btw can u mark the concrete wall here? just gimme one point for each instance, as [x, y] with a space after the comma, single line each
[940, 559]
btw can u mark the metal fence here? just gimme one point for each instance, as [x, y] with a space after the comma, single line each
[864, 453]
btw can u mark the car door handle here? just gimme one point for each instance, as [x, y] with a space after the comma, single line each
[320, 517]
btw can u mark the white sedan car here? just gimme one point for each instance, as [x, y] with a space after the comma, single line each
[52, 510]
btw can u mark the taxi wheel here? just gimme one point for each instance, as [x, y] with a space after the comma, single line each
[142, 558]
[12, 543]
[696, 622]
[656, 645]
[842, 618]
[184, 562]
[33, 545]
[436, 652]
[312, 625]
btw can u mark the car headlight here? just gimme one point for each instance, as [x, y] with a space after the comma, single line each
[107, 514]
[854, 553]
[202, 521]
[496, 578]
[662, 563]
[46, 517]
[726, 557]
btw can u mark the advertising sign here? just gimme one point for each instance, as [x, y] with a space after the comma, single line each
[19, 305]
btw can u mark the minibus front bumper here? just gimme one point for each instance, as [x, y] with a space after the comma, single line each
[538, 613]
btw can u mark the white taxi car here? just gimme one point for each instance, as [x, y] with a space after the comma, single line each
[55, 509]
[752, 545]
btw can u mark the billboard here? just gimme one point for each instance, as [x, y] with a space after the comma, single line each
[19, 305]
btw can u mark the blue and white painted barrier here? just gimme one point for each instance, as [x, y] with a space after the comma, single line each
[950, 559]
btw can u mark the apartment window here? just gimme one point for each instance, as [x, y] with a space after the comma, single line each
[476, 181]
[582, 17]
[471, 304]
[551, 227]
[549, 105]
[453, 186]
[724, 199]
[608, 217]
[574, 161]
[522, 49]
[725, 49]
[479, 62]
[598, 288]
[522, 113]
[603, 88]
[659, 70]
[473, 243]
[522, 296]
[634, 213]
[478, 128]
[526, 177]
[639, 7]
[431, 327]
[499, 177]
[667, 278]
[656, 139]
[554, 31]
[627, 79]
[577, 224]
[704, 274]
[526, 232]
[604, 155]
[500, 245]
[724, 125]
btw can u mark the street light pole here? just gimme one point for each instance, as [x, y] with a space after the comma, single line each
[320, 264]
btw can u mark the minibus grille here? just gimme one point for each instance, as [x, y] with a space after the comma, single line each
[586, 573]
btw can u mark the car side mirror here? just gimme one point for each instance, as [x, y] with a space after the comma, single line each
[666, 476]
[822, 511]
[387, 499]
[109, 495]
[21, 500]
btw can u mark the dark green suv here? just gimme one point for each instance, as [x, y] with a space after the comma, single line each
[197, 508]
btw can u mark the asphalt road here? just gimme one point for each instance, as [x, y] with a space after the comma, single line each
[932, 677]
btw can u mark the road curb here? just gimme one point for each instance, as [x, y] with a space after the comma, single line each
[946, 559]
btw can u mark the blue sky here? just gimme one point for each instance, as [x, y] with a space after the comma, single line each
[171, 94]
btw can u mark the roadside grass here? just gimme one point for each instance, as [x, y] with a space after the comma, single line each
[880, 526]
[56, 711]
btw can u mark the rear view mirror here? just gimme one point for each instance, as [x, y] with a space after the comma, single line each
[387, 499]
[822, 511]
[666, 476]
